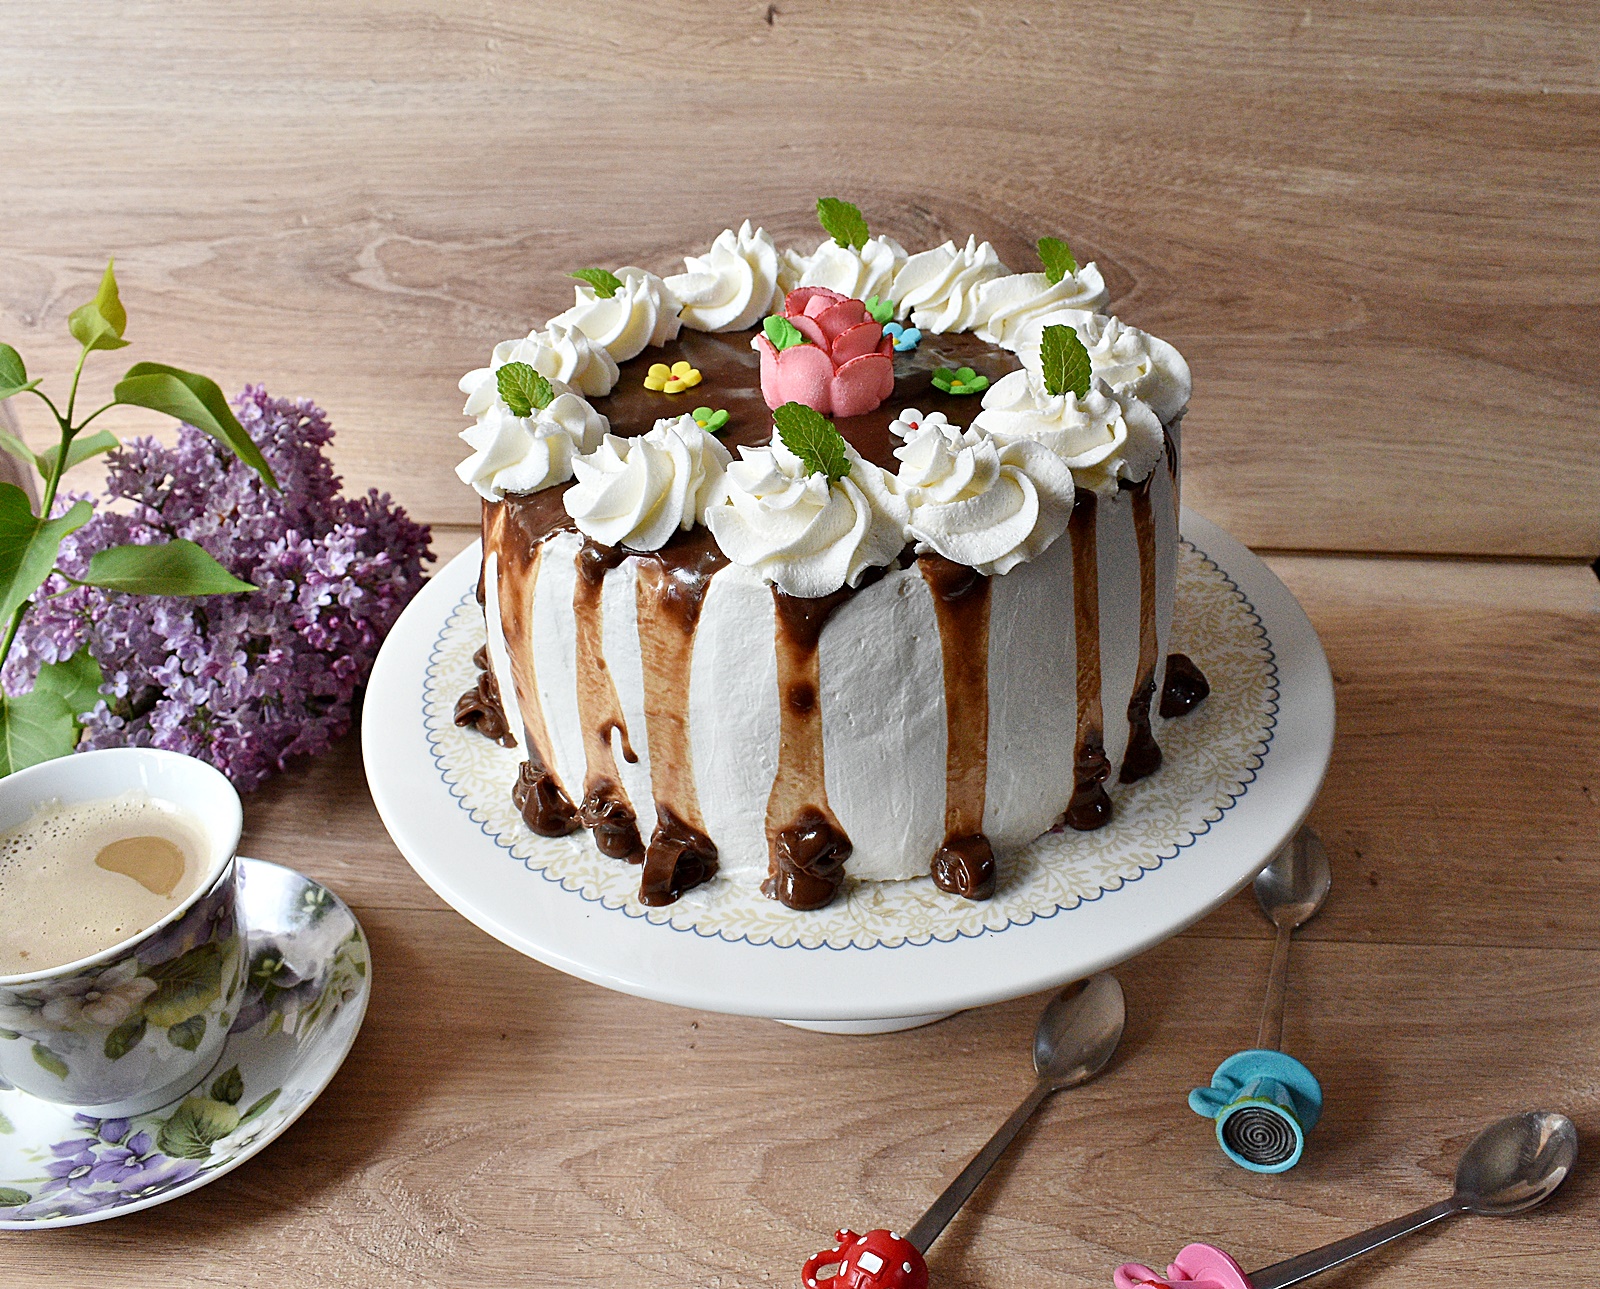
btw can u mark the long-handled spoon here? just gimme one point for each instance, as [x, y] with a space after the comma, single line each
[1263, 1100]
[1510, 1166]
[1074, 1040]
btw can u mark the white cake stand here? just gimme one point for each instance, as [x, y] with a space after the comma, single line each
[841, 990]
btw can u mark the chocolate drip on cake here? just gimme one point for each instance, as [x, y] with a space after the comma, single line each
[671, 590]
[1186, 686]
[1089, 806]
[806, 847]
[1144, 753]
[964, 864]
[480, 707]
[515, 530]
[605, 809]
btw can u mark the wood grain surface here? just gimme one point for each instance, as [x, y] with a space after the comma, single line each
[1371, 228]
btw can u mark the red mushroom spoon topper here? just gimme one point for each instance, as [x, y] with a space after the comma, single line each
[877, 1260]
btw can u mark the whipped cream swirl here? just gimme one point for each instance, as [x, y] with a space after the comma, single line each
[637, 492]
[1130, 361]
[851, 272]
[524, 454]
[981, 504]
[642, 312]
[1103, 437]
[807, 535]
[558, 353]
[1008, 304]
[940, 288]
[733, 285]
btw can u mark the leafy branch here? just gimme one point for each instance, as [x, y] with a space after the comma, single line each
[46, 722]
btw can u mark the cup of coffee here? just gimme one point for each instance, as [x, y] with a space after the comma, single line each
[121, 955]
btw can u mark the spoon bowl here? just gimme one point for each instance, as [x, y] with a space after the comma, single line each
[1079, 1031]
[1516, 1163]
[1294, 885]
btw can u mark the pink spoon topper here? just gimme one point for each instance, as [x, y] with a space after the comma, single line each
[1197, 1266]
[877, 1260]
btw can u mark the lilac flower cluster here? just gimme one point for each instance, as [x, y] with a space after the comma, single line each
[243, 681]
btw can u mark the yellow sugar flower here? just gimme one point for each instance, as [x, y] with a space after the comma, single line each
[671, 380]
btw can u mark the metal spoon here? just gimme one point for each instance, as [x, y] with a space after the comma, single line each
[1263, 1100]
[1510, 1166]
[1075, 1037]
[1291, 889]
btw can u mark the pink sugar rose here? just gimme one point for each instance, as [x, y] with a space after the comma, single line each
[846, 369]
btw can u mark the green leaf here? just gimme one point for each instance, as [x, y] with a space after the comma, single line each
[259, 1107]
[228, 1087]
[1057, 259]
[195, 1126]
[523, 389]
[178, 567]
[125, 1037]
[195, 399]
[10, 1197]
[76, 680]
[49, 1060]
[29, 545]
[186, 986]
[100, 323]
[783, 333]
[605, 283]
[1065, 361]
[188, 1033]
[90, 445]
[35, 727]
[879, 311]
[842, 221]
[812, 438]
[13, 374]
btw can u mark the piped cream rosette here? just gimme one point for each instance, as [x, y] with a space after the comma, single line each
[637, 492]
[642, 311]
[526, 453]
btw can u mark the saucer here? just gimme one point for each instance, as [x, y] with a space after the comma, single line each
[1241, 772]
[310, 976]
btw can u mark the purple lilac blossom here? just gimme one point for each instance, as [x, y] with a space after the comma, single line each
[245, 681]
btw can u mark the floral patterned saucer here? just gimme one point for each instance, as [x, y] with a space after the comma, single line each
[309, 979]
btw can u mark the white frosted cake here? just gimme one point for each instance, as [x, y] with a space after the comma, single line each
[855, 564]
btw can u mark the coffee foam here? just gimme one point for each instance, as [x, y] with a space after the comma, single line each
[57, 905]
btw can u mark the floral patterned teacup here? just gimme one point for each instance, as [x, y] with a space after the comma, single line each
[141, 1022]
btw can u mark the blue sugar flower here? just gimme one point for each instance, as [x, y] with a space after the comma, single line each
[905, 338]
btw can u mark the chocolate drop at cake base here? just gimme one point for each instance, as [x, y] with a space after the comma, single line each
[481, 707]
[1186, 686]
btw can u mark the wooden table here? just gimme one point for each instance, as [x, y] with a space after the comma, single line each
[1371, 229]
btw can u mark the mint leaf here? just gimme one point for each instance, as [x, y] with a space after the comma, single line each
[13, 374]
[842, 222]
[100, 323]
[1065, 361]
[523, 389]
[812, 438]
[605, 283]
[178, 567]
[783, 333]
[196, 399]
[1058, 261]
[879, 310]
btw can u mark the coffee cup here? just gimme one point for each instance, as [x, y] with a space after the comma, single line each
[139, 1022]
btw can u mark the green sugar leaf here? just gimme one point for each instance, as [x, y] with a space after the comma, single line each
[1065, 361]
[1058, 261]
[879, 310]
[783, 333]
[842, 221]
[605, 283]
[812, 438]
[523, 389]
[100, 323]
